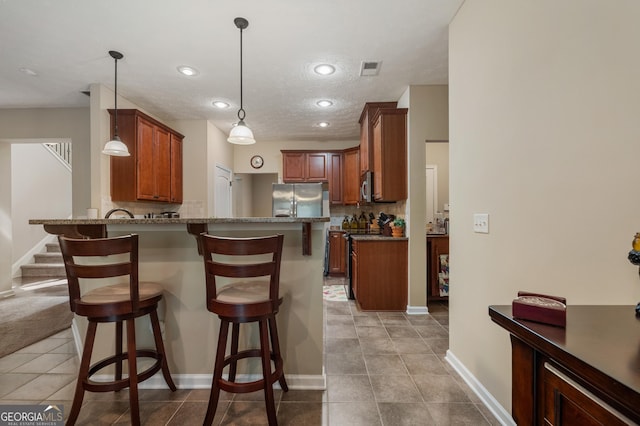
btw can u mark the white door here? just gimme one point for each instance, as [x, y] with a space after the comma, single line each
[223, 192]
[432, 192]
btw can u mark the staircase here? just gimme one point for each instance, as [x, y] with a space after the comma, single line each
[47, 264]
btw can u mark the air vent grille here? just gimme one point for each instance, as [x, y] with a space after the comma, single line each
[369, 68]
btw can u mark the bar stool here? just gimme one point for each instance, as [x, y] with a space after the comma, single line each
[114, 303]
[243, 299]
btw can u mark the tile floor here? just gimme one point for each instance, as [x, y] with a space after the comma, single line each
[382, 369]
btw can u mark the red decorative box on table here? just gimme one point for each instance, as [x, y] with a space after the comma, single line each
[540, 308]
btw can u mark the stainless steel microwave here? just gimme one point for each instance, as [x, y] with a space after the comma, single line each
[366, 187]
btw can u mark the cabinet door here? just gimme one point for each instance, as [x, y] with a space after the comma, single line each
[335, 178]
[377, 162]
[355, 268]
[568, 403]
[351, 176]
[293, 167]
[365, 143]
[317, 169]
[337, 253]
[146, 174]
[176, 169]
[390, 155]
[162, 164]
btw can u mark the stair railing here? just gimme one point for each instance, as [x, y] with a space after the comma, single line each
[62, 151]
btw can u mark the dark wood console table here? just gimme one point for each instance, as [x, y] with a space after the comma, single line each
[585, 374]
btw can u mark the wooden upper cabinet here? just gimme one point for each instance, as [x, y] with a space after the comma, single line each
[153, 171]
[304, 166]
[317, 167]
[366, 133]
[176, 169]
[351, 176]
[390, 154]
[336, 175]
[293, 166]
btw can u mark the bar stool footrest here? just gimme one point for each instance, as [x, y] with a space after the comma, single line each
[116, 385]
[253, 386]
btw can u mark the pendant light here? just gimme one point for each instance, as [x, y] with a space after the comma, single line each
[115, 146]
[241, 134]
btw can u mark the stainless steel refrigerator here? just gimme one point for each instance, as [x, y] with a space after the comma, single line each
[297, 200]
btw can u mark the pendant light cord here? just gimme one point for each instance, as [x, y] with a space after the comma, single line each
[115, 96]
[241, 110]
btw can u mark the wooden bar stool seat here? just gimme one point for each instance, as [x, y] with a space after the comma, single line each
[239, 292]
[112, 303]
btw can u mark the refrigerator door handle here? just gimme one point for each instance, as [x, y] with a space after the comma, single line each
[294, 207]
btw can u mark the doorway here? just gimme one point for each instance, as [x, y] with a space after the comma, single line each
[222, 192]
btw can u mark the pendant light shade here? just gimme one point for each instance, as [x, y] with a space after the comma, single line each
[241, 134]
[115, 147]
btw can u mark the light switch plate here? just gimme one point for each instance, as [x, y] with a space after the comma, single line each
[481, 223]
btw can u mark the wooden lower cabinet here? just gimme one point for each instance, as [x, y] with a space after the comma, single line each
[583, 374]
[337, 253]
[379, 273]
[437, 246]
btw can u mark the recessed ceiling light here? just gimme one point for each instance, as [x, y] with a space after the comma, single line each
[188, 71]
[220, 104]
[28, 71]
[324, 69]
[323, 124]
[324, 103]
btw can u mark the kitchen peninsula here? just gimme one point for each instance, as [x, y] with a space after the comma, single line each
[168, 254]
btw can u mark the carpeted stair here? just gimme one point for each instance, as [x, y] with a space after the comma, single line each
[47, 264]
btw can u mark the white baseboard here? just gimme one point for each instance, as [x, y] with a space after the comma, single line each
[417, 310]
[502, 415]
[203, 381]
[7, 293]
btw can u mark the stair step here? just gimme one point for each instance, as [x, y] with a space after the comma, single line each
[53, 248]
[43, 270]
[48, 257]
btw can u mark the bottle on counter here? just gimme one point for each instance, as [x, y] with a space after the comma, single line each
[362, 224]
[354, 224]
[345, 224]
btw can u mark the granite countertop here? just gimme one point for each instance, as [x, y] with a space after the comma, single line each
[160, 221]
[433, 234]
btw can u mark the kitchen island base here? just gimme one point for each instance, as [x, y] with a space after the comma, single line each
[168, 255]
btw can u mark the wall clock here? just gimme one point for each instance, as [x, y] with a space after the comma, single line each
[257, 161]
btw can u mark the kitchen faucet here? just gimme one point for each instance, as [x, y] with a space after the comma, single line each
[110, 212]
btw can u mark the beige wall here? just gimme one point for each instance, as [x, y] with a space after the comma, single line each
[544, 106]
[427, 119]
[62, 123]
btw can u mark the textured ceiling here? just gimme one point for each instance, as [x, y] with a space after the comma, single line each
[67, 42]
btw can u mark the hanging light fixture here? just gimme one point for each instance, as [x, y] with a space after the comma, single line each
[241, 134]
[115, 146]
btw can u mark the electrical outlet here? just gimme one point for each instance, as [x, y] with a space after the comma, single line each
[481, 223]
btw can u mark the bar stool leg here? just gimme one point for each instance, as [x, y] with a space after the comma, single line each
[266, 372]
[118, 350]
[275, 345]
[217, 372]
[133, 372]
[235, 335]
[85, 364]
[157, 336]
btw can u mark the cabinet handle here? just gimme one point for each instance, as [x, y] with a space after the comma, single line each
[155, 196]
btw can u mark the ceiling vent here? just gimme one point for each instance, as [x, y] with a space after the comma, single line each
[369, 68]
